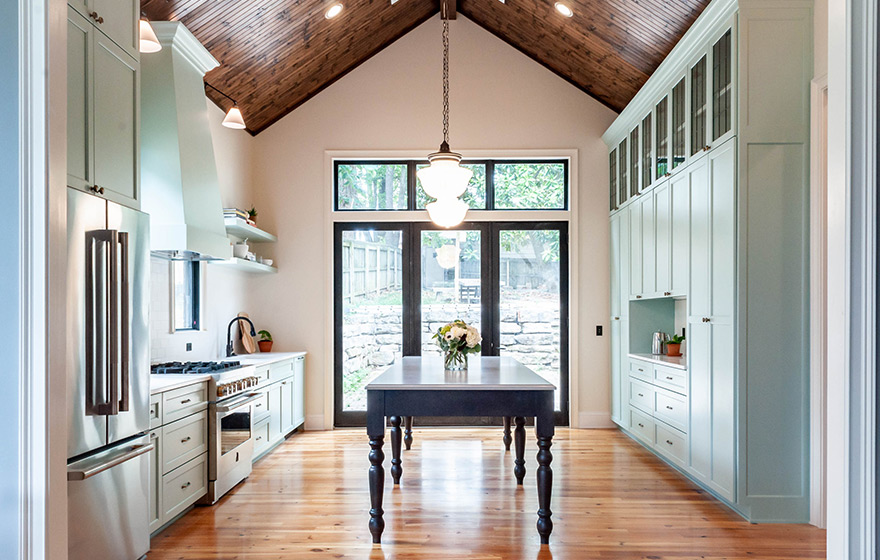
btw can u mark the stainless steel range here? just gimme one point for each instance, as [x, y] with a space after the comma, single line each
[230, 420]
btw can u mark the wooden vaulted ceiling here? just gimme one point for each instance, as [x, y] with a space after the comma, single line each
[276, 54]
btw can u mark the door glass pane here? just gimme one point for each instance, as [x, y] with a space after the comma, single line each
[612, 169]
[451, 287]
[622, 182]
[371, 186]
[678, 124]
[721, 86]
[372, 319]
[634, 162]
[530, 301]
[647, 163]
[474, 196]
[698, 106]
[662, 138]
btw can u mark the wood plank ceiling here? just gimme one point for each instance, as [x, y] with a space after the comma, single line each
[276, 54]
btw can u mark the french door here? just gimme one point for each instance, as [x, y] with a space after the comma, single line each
[395, 284]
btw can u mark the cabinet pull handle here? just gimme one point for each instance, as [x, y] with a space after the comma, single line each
[641, 370]
[669, 378]
[259, 438]
[668, 175]
[638, 297]
[184, 401]
[96, 17]
[96, 189]
[641, 395]
[667, 293]
[669, 442]
[258, 405]
[668, 407]
[186, 439]
[617, 318]
[641, 425]
[185, 486]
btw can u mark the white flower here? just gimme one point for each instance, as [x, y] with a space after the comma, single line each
[448, 335]
[473, 337]
[457, 332]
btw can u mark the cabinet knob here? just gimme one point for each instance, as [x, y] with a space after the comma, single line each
[96, 17]
[669, 442]
[638, 297]
[186, 439]
[96, 189]
[668, 407]
[706, 319]
[667, 293]
[641, 425]
[617, 318]
[706, 148]
[668, 175]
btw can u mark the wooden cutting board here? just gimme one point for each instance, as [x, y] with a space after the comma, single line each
[247, 341]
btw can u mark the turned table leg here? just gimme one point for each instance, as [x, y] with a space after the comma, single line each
[507, 439]
[545, 485]
[396, 468]
[407, 432]
[519, 438]
[377, 487]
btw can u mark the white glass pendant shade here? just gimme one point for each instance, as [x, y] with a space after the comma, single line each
[444, 178]
[447, 212]
[234, 119]
[447, 256]
[149, 43]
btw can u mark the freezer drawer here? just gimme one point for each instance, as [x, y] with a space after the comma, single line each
[108, 503]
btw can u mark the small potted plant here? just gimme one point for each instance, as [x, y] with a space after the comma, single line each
[265, 342]
[252, 215]
[673, 346]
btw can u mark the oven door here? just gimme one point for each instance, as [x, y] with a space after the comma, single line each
[232, 436]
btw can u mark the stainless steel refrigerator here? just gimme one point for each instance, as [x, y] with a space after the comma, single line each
[108, 357]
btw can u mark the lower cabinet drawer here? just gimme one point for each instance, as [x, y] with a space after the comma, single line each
[261, 437]
[641, 395]
[671, 378]
[182, 402]
[184, 440]
[184, 485]
[672, 409]
[261, 407]
[641, 425]
[671, 443]
[642, 370]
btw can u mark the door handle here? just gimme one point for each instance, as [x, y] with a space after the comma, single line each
[101, 338]
[125, 326]
[89, 470]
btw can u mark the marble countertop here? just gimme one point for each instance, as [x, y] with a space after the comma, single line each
[679, 362]
[483, 373]
[168, 381]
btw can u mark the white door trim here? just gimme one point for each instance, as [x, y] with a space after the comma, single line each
[818, 295]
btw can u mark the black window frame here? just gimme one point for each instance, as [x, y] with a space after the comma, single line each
[411, 187]
[193, 270]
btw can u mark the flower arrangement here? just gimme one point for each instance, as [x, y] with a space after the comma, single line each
[457, 339]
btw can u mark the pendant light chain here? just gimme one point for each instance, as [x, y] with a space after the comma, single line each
[445, 81]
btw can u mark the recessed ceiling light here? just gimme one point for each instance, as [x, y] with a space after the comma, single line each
[564, 9]
[333, 11]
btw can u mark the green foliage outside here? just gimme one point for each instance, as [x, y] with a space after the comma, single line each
[372, 186]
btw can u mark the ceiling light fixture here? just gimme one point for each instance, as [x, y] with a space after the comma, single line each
[148, 43]
[233, 118]
[564, 9]
[333, 10]
[445, 180]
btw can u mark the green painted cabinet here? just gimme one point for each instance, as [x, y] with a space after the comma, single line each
[117, 19]
[634, 280]
[648, 246]
[679, 234]
[103, 91]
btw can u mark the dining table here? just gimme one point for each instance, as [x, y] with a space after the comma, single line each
[490, 386]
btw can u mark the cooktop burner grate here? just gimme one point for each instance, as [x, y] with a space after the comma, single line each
[194, 367]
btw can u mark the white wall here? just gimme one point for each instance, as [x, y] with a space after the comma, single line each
[226, 291]
[500, 100]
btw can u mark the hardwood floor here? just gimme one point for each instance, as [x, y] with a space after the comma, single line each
[458, 499]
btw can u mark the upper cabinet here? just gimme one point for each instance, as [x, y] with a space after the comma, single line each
[679, 124]
[117, 19]
[103, 108]
[722, 88]
[698, 107]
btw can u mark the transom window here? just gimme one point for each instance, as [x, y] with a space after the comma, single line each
[495, 185]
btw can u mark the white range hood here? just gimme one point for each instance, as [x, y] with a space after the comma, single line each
[179, 184]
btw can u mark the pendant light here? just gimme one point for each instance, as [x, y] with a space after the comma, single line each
[233, 118]
[445, 180]
[148, 42]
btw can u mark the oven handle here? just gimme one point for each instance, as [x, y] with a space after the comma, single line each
[237, 404]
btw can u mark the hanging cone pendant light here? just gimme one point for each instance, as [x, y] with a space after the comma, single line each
[445, 180]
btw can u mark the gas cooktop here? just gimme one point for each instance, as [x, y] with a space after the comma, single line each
[194, 367]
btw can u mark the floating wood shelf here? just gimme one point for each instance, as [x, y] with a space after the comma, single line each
[247, 266]
[236, 227]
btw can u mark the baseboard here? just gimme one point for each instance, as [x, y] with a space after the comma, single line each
[595, 420]
[314, 422]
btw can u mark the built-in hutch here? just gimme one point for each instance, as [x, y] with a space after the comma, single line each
[709, 226]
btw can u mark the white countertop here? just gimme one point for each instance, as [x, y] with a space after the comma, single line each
[483, 373]
[159, 383]
[679, 362]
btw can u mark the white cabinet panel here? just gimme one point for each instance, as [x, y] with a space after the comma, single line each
[615, 264]
[649, 264]
[299, 391]
[616, 382]
[118, 19]
[700, 240]
[663, 238]
[275, 406]
[286, 406]
[679, 233]
[156, 480]
[635, 249]
[700, 393]
[79, 101]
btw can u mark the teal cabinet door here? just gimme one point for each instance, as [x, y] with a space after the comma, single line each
[700, 241]
[649, 263]
[299, 387]
[286, 406]
[116, 84]
[663, 238]
[615, 264]
[624, 263]
[79, 101]
[679, 234]
[635, 249]
[118, 20]
[616, 369]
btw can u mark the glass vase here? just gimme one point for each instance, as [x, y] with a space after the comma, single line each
[455, 361]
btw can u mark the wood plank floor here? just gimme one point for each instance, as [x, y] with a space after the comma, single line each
[458, 499]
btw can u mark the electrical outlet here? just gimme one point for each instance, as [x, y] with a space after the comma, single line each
[598, 330]
[189, 346]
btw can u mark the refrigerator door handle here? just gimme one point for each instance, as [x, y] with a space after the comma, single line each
[90, 470]
[125, 322]
[97, 328]
[113, 370]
